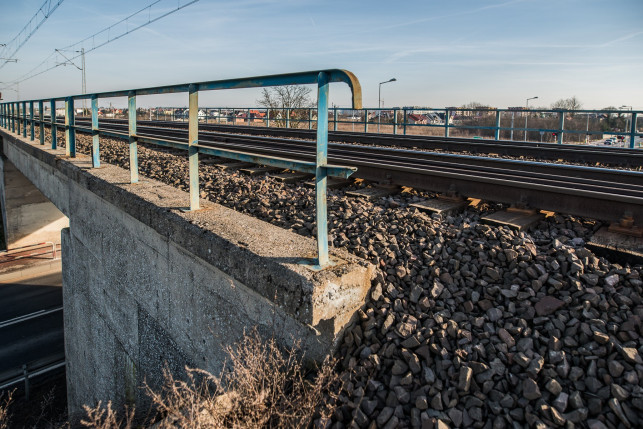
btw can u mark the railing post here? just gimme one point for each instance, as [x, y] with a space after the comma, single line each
[18, 119]
[268, 117]
[446, 123]
[561, 125]
[633, 130]
[394, 121]
[24, 119]
[41, 117]
[404, 124]
[320, 170]
[54, 131]
[287, 118]
[15, 110]
[70, 131]
[334, 118]
[365, 120]
[133, 140]
[310, 118]
[95, 134]
[32, 132]
[497, 133]
[193, 140]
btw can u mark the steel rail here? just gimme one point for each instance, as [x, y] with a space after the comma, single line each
[524, 168]
[600, 193]
[616, 156]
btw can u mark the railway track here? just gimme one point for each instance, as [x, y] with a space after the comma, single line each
[600, 193]
[578, 154]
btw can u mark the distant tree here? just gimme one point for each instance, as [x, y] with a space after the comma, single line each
[612, 121]
[572, 103]
[293, 97]
[474, 105]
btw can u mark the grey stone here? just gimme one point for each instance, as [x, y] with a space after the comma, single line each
[494, 314]
[464, 380]
[615, 406]
[554, 387]
[548, 305]
[615, 368]
[619, 393]
[456, 416]
[530, 389]
[631, 355]
[560, 403]
[596, 424]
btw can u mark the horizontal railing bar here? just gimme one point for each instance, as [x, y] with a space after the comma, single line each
[301, 78]
[290, 164]
[162, 142]
[54, 366]
[301, 166]
[27, 317]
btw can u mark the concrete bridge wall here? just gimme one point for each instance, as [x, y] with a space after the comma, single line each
[147, 285]
[33, 218]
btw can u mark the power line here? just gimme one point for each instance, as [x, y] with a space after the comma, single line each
[21, 38]
[102, 38]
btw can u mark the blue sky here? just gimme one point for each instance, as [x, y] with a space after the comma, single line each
[442, 53]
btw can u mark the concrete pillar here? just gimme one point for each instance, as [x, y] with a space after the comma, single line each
[28, 217]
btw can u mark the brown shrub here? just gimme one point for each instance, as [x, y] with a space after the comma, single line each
[5, 417]
[262, 386]
[106, 418]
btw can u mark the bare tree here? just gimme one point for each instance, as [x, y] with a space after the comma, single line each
[571, 103]
[282, 101]
[474, 105]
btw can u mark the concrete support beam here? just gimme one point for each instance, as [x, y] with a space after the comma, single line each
[146, 284]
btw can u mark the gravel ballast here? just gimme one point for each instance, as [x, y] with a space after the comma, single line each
[468, 325]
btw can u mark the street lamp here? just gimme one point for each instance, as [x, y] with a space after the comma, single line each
[379, 102]
[527, 114]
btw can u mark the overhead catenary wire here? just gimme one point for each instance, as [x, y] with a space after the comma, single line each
[27, 31]
[36, 71]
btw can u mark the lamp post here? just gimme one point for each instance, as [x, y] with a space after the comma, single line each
[527, 114]
[379, 102]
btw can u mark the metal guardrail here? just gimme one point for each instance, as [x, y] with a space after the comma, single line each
[13, 116]
[30, 371]
[399, 120]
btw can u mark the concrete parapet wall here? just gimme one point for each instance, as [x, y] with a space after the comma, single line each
[146, 285]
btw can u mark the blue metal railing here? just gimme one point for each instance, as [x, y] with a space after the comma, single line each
[562, 125]
[11, 119]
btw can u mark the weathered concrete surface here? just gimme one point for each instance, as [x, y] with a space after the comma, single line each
[28, 217]
[146, 285]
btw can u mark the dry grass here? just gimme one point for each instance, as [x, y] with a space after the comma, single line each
[106, 418]
[5, 417]
[262, 386]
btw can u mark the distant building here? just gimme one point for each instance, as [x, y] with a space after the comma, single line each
[417, 119]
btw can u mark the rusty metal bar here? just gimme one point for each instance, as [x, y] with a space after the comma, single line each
[193, 140]
[133, 145]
